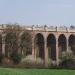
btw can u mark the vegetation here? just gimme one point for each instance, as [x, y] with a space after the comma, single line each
[68, 60]
[30, 62]
[16, 57]
[12, 44]
[26, 43]
[11, 39]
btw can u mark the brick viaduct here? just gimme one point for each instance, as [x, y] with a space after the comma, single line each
[49, 42]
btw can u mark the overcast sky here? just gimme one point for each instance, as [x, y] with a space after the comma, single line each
[29, 12]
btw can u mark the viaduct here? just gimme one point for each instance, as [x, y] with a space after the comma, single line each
[48, 42]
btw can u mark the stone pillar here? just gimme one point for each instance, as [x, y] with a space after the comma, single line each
[67, 43]
[46, 52]
[3, 44]
[57, 52]
[33, 48]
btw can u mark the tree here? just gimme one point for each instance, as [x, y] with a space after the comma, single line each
[26, 43]
[11, 32]
[11, 43]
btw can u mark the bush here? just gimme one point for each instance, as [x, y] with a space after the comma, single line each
[16, 57]
[30, 62]
[67, 55]
[68, 60]
[39, 61]
[68, 64]
[54, 64]
[49, 62]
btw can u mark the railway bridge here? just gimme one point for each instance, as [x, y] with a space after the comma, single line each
[48, 42]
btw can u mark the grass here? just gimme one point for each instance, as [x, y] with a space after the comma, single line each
[9, 71]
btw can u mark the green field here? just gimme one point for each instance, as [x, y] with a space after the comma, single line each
[9, 71]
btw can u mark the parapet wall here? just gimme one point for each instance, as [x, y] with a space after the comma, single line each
[44, 28]
[51, 28]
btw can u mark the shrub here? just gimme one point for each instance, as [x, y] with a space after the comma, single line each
[68, 63]
[49, 62]
[39, 61]
[53, 63]
[16, 57]
[30, 62]
[68, 60]
[67, 55]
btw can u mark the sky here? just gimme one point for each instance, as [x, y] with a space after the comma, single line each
[41, 12]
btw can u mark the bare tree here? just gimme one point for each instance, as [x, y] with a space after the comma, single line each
[26, 43]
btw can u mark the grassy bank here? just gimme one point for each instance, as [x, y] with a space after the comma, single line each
[9, 71]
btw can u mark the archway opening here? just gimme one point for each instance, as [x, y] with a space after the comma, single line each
[39, 45]
[10, 44]
[62, 44]
[25, 43]
[51, 45]
[72, 43]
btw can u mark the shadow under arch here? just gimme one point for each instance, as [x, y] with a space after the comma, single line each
[62, 44]
[51, 46]
[72, 42]
[39, 45]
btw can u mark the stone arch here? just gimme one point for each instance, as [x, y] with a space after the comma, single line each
[62, 44]
[62, 41]
[39, 45]
[51, 45]
[25, 43]
[10, 43]
[72, 42]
